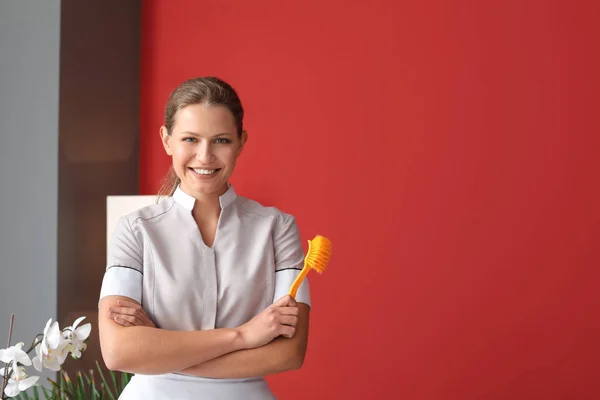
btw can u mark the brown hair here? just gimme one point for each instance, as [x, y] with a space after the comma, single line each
[210, 91]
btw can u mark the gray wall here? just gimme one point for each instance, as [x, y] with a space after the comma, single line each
[29, 103]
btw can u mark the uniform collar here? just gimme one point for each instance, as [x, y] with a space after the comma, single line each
[188, 201]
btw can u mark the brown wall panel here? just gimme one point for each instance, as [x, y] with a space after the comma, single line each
[98, 146]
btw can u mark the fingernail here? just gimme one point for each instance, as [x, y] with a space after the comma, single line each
[120, 302]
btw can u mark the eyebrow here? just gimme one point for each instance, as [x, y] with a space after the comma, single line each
[197, 134]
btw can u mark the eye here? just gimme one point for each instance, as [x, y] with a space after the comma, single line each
[222, 141]
[189, 139]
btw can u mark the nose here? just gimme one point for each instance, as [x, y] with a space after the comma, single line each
[204, 152]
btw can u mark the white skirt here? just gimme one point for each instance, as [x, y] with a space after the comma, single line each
[184, 387]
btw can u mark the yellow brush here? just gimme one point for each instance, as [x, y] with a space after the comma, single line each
[317, 257]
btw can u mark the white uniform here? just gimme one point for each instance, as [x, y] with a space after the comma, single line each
[157, 257]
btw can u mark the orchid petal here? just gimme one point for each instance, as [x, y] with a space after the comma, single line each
[44, 346]
[14, 353]
[6, 355]
[52, 365]
[19, 373]
[77, 321]
[54, 336]
[12, 389]
[37, 363]
[83, 332]
[28, 382]
[22, 358]
[47, 327]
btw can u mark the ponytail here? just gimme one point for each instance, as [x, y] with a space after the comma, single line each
[169, 184]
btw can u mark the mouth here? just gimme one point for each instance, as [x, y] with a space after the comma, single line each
[205, 172]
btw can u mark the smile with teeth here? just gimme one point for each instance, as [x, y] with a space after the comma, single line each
[202, 171]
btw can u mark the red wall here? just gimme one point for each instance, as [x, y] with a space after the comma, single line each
[448, 149]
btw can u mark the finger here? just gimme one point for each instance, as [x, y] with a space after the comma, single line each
[124, 310]
[289, 320]
[134, 321]
[129, 304]
[135, 310]
[126, 303]
[146, 320]
[122, 321]
[292, 302]
[283, 301]
[288, 331]
[142, 320]
[288, 310]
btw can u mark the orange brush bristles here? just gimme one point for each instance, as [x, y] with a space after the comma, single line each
[319, 252]
[317, 258]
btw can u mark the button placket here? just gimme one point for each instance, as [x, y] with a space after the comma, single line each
[210, 288]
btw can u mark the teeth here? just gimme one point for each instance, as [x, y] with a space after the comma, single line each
[204, 171]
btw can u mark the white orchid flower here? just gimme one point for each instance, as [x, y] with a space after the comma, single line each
[15, 354]
[53, 360]
[52, 337]
[51, 352]
[18, 381]
[77, 336]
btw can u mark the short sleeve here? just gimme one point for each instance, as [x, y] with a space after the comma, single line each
[289, 260]
[124, 269]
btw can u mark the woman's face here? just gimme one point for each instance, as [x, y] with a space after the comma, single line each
[204, 146]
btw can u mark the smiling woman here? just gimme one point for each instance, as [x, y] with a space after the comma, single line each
[204, 273]
[204, 135]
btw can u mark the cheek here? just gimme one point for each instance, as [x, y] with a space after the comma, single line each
[228, 156]
[182, 153]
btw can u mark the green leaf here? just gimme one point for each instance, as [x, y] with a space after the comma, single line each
[80, 386]
[124, 380]
[22, 396]
[69, 384]
[36, 393]
[87, 378]
[113, 376]
[95, 392]
[104, 381]
[47, 393]
[61, 386]
[55, 386]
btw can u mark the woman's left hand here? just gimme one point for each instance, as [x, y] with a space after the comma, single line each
[127, 313]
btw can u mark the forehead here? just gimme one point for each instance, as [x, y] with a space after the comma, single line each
[202, 118]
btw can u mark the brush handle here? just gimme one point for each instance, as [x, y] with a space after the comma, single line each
[303, 273]
[298, 280]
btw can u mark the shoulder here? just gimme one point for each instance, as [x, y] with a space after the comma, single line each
[148, 213]
[253, 207]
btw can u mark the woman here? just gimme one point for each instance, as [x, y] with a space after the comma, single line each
[194, 299]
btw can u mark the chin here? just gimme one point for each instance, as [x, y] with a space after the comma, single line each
[205, 188]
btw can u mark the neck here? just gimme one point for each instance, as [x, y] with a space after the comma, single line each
[208, 205]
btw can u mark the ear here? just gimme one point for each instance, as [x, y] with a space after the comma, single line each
[165, 139]
[243, 140]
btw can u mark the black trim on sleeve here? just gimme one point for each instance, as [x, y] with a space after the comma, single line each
[283, 269]
[124, 266]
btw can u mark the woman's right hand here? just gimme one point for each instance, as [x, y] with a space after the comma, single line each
[279, 319]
